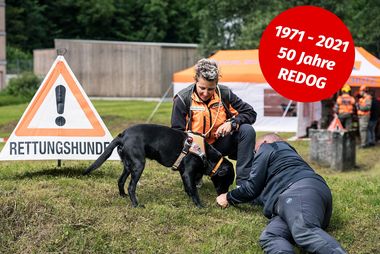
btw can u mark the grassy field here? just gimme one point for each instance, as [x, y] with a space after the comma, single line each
[48, 209]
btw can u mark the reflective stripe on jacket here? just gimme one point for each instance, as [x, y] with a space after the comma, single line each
[203, 116]
[345, 104]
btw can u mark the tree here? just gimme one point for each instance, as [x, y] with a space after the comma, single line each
[24, 24]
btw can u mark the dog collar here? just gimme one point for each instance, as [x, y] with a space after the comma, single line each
[194, 144]
[184, 152]
[217, 165]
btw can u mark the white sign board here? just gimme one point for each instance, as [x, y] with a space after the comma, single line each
[60, 123]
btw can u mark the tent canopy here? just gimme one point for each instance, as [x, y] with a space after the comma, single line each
[243, 66]
[366, 69]
[235, 66]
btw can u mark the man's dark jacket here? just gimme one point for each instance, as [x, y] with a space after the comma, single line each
[276, 166]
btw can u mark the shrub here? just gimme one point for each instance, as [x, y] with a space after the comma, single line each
[18, 60]
[24, 86]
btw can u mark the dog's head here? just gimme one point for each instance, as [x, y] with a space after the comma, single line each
[223, 177]
[220, 169]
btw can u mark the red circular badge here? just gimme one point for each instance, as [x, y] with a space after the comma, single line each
[306, 54]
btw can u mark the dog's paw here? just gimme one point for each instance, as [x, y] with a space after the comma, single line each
[200, 206]
[123, 194]
[138, 206]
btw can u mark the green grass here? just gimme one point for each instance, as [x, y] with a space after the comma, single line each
[6, 99]
[48, 209]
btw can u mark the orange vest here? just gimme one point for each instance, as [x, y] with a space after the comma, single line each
[364, 107]
[345, 104]
[203, 116]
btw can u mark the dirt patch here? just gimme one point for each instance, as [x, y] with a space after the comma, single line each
[8, 127]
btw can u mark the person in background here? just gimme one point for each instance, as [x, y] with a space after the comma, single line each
[297, 201]
[344, 107]
[374, 116]
[364, 109]
[214, 111]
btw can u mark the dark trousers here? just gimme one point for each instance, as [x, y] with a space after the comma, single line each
[240, 147]
[371, 135]
[346, 120]
[302, 212]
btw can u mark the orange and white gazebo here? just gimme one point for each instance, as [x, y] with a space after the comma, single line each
[240, 70]
[366, 70]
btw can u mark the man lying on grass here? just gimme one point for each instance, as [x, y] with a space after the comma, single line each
[297, 201]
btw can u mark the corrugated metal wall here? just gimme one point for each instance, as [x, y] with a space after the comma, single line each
[122, 69]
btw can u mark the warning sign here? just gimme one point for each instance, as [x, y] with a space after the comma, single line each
[59, 123]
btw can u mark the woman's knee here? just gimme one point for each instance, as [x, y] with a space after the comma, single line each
[247, 131]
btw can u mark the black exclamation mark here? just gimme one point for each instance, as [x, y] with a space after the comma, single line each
[60, 92]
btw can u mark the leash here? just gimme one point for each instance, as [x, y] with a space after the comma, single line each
[213, 171]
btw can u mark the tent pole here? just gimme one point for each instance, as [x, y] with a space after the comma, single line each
[287, 109]
[158, 104]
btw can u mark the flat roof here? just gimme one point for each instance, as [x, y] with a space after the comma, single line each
[160, 44]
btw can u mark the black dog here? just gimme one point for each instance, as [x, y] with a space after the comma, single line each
[164, 145]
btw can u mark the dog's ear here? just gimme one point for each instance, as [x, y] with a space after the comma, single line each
[222, 171]
[225, 167]
[211, 153]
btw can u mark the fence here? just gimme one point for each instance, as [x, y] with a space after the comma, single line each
[17, 66]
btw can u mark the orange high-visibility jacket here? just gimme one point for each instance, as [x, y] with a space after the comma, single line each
[345, 104]
[364, 105]
[202, 116]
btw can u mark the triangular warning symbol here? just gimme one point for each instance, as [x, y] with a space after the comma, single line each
[336, 125]
[59, 77]
[59, 123]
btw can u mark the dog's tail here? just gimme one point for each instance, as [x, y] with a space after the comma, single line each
[104, 156]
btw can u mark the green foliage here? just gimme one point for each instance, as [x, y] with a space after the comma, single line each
[364, 23]
[132, 20]
[24, 86]
[26, 24]
[18, 60]
[215, 24]
[240, 24]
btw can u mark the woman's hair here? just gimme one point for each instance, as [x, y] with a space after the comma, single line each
[207, 69]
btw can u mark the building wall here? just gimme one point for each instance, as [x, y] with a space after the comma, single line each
[174, 60]
[42, 60]
[121, 69]
[3, 62]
